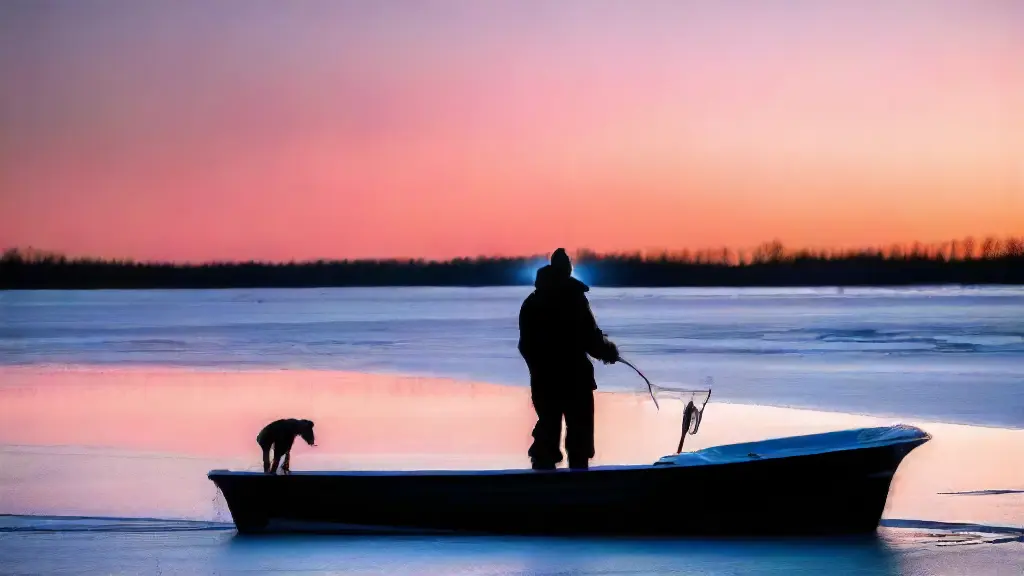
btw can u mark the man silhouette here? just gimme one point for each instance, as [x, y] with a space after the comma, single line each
[557, 332]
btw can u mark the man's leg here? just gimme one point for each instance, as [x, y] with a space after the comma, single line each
[579, 428]
[286, 465]
[547, 433]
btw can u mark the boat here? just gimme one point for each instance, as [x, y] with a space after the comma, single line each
[828, 483]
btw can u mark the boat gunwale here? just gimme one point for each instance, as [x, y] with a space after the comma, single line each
[661, 465]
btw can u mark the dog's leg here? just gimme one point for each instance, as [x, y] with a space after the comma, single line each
[286, 467]
[277, 460]
[266, 460]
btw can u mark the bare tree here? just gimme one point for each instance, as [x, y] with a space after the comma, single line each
[968, 248]
[990, 248]
[769, 252]
[1014, 247]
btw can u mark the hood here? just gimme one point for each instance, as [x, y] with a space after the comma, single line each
[548, 279]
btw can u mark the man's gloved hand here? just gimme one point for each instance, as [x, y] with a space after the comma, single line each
[611, 353]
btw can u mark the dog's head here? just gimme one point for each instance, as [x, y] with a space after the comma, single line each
[306, 431]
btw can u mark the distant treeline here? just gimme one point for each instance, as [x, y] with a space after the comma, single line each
[991, 261]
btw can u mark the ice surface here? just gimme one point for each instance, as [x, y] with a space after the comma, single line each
[946, 354]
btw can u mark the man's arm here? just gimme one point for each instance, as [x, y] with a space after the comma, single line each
[527, 331]
[597, 343]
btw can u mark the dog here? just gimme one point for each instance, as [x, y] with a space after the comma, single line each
[280, 435]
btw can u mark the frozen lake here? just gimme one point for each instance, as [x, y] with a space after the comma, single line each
[945, 354]
[114, 405]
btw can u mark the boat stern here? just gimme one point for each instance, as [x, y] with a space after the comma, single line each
[834, 482]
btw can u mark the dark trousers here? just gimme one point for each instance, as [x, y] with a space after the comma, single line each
[576, 405]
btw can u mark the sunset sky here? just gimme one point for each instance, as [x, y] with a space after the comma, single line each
[231, 129]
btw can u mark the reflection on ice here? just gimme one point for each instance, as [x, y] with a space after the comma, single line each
[139, 442]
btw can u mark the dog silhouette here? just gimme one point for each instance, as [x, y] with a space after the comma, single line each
[280, 435]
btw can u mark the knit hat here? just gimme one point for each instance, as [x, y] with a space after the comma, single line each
[560, 260]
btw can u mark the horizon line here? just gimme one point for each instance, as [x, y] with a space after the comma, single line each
[967, 247]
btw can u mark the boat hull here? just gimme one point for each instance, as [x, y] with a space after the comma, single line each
[834, 492]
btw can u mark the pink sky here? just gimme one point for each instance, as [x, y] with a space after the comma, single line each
[195, 130]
